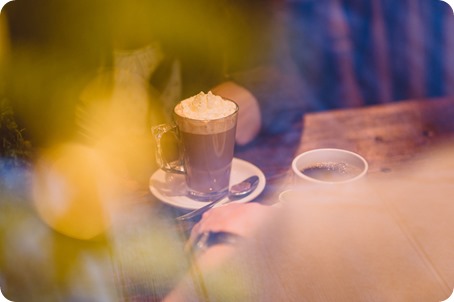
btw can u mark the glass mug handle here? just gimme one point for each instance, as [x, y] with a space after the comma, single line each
[158, 132]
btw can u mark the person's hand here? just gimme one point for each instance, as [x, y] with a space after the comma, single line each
[239, 219]
[249, 117]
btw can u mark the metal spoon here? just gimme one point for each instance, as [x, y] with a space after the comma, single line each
[236, 192]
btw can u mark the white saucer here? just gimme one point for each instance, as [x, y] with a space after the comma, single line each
[171, 188]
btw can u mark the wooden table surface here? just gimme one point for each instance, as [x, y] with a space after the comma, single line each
[385, 135]
[387, 237]
[377, 246]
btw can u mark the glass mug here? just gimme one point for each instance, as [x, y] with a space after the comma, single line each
[206, 149]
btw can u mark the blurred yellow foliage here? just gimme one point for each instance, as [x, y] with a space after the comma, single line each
[75, 190]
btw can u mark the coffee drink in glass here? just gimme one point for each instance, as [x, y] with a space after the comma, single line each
[206, 126]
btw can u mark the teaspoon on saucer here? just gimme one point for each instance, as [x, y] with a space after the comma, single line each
[237, 191]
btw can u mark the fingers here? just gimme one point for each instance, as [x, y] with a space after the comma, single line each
[212, 221]
[235, 218]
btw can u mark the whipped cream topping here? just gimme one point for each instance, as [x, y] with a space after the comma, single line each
[205, 106]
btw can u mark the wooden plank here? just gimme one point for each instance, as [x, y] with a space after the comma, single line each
[386, 135]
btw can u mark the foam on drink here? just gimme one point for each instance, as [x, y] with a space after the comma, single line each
[205, 106]
[200, 114]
